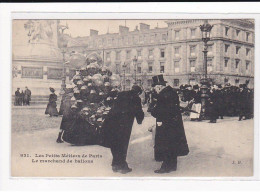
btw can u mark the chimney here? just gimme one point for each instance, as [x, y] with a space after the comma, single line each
[144, 26]
[93, 32]
[123, 29]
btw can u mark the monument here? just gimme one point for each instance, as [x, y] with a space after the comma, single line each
[37, 61]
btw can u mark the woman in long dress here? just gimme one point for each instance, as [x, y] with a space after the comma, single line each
[52, 106]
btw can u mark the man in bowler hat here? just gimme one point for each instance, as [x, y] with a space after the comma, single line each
[170, 138]
[118, 126]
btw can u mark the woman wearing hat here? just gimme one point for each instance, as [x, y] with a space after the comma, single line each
[170, 139]
[52, 106]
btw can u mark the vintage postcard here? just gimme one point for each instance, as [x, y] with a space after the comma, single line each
[133, 98]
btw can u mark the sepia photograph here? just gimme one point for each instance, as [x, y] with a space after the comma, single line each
[133, 97]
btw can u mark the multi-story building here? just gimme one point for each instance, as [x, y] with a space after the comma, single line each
[175, 52]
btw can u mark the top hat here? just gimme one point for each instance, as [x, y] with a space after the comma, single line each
[158, 80]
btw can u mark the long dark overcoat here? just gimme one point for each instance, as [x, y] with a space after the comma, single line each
[117, 126]
[170, 138]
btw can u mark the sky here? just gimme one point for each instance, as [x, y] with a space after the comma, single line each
[82, 27]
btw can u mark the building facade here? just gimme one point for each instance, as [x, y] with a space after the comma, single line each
[175, 52]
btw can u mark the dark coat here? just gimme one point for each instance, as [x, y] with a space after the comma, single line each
[212, 108]
[17, 97]
[170, 138]
[27, 95]
[219, 102]
[52, 106]
[68, 114]
[117, 126]
[244, 102]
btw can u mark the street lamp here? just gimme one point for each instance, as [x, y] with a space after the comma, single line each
[63, 43]
[135, 63]
[124, 68]
[205, 29]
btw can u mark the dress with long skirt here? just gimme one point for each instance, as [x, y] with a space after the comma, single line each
[52, 106]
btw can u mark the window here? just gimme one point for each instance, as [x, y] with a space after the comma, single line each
[139, 68]
[113, 42]
[118, 55]
[237, 64]
[129, 40]
[150, 53]
[247, 65]
[226, 48]
[237, 32]
[177, 50]
[209, 65]
[120, 40]
[209, 62]
[164, 37]
[127, 69]
[193, 32]
[117, 68]
[192, 50]
[247, 36]
[176, 82]
[141, 38]
[162, 67]
[128, 54]
[226, 31]
[135, 39]
[145, 38]
[150, 67]
[226, 62]
[139, 53]
[100, 43]
[149, 82]
[108, 56]
[247, 51]
[152, 38]
[192, 65]
[162, 53]
[237, 49]
[176, 66]
[109, 42]
[210, 47]
[177, 34]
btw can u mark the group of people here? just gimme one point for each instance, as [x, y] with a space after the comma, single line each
[22, 98]
[164, 104]
[170, 139]
[218, 101]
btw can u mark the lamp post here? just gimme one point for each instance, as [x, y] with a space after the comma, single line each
[134, 63]
[124, 68]
[63, 45]
[205, 29]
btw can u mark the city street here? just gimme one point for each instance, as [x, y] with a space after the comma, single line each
[221, 149]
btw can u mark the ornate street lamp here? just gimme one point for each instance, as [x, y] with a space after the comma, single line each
[63, 43]
[124, 82]
[135, 63]
[205, 29]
